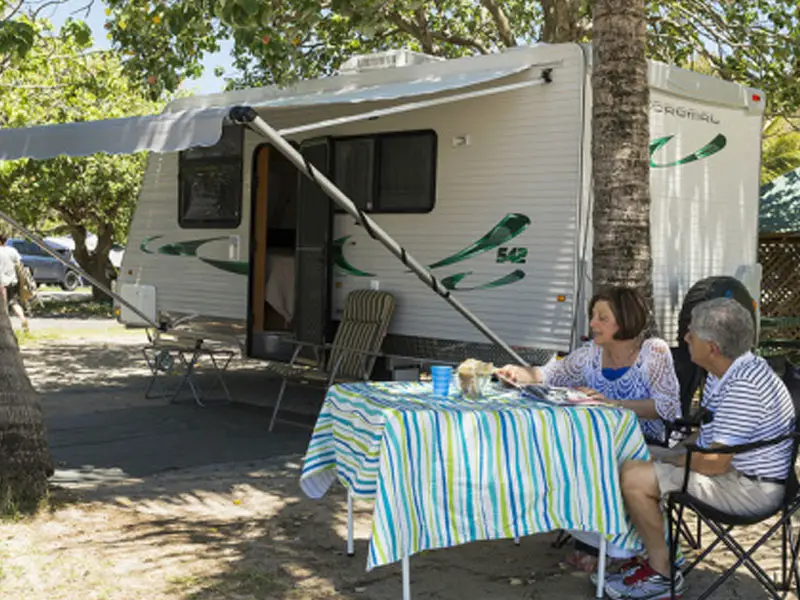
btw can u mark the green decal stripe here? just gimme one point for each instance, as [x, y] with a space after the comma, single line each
[238, 267]
[340, 261]
[711, 148]
[186, 248]
[451, 282]
[146, 241]
[507, 229]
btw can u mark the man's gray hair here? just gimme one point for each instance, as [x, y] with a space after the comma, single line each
[725, 322]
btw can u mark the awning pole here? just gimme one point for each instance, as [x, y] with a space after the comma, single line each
[41, 243]
[246, 115]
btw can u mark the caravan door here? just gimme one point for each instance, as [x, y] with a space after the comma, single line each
[313, 251]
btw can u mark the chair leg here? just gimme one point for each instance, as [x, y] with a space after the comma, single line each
[785, 585]
[672, 531]
[277, 404]
[794, 547]
[744, 558]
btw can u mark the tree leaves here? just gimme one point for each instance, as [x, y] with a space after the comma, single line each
[755, 42]
[60, 81]
[16, 38]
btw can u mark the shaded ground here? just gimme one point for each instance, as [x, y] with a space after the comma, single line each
[171, 501]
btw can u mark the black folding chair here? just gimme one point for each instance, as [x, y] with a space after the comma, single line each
[721, 524]
[690, 379]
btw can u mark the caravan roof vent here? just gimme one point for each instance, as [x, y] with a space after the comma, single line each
[385, 60]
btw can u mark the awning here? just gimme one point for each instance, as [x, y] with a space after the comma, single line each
[200, 121]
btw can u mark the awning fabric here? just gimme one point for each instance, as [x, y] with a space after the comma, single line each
[200, 123]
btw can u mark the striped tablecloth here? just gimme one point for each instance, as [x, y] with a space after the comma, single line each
[446, 471]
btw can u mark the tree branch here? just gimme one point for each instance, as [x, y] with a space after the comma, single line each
[500, 19]
[413, 30]
[9, 14]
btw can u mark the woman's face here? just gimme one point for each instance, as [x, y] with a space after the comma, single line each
[603, 323]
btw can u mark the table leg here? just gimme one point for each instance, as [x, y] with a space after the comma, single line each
[406, 576]
[601, 568]
[350, 546]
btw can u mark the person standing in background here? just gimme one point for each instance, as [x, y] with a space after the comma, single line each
[10, 265]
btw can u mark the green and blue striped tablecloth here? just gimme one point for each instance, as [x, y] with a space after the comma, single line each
[446, 471]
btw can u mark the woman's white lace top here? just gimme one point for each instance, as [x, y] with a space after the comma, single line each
[652, 376]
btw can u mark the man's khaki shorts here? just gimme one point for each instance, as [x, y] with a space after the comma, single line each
[732, 492]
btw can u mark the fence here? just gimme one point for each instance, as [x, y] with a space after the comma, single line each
[779, 255]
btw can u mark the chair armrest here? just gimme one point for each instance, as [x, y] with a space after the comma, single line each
[739, 448]
[343, 350]
[353, 350]
[299, 345]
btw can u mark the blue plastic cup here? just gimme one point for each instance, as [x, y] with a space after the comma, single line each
[441, 375]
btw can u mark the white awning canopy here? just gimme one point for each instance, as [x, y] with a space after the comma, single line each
[200, 124]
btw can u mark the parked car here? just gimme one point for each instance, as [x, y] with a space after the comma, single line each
[45, 268]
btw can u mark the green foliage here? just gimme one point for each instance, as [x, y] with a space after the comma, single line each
[19, 31]
[60, 81]
[754, 42]
[278, 42]
[780, 150]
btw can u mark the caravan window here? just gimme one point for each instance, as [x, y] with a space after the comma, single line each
[353, 169]
[210, 181]
[407, 168]
[387, 173]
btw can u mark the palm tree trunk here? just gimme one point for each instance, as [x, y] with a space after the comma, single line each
[25, 462]
[620, 137]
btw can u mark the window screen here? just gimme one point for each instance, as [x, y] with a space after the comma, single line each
[407, 172]
[354, 160]
[211, 183]
[387, 173]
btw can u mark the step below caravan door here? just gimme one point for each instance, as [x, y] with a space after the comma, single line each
[313, 253]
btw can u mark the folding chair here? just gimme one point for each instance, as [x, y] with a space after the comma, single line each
[351, 356]
[721, 524]
[178, 354]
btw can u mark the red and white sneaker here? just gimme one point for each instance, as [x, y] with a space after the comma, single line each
[644, 584]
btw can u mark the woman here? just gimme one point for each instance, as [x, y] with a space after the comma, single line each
[620, 366]
[10, 265]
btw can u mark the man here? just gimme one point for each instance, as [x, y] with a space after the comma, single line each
[10, 262]
[749, 403]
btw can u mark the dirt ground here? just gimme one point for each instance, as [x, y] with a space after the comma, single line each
[237, 530]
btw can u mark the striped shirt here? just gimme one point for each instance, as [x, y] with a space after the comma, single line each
[750, 404]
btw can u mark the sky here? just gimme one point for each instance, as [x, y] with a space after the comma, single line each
[58, 14]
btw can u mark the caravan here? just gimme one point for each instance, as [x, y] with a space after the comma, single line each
[480, 167]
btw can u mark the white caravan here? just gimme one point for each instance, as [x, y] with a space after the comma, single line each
[480, 167]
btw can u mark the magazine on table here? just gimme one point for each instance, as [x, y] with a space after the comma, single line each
[558, 396]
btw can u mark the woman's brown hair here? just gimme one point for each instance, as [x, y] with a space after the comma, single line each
[629, 308]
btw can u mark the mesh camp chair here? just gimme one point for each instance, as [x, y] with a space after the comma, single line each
[352, 355]
[721, 524]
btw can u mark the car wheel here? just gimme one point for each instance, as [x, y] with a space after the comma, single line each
[71, 281]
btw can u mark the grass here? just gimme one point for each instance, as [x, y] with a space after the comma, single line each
[237, 583]
[70, 308]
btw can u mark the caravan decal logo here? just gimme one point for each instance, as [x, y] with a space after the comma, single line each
[187, 248]
[190, 247]
[340, 262]
[451, 282]
[712, 147]
[506, 230]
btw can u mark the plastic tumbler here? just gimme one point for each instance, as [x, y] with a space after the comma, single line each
[441, 375]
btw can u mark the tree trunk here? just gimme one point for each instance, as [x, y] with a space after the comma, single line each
[97, 263]
[25, 462]
[620, 138]
[562, 21]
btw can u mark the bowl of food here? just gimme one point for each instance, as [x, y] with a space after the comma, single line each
[475, 377]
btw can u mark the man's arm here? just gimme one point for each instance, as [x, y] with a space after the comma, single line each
[705, 464]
